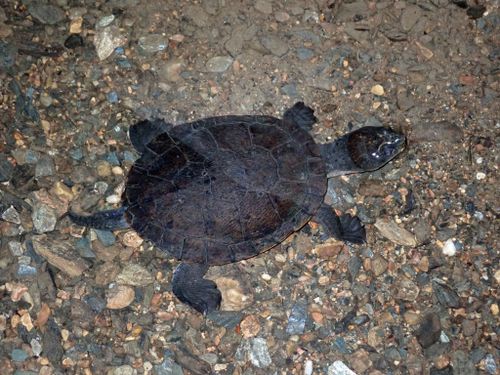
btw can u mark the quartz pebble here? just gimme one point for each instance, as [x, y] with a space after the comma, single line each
[339, 368]
[449, 248]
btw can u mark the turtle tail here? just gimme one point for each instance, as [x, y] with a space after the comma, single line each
[107, 220]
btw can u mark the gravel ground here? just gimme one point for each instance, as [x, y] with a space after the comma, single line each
[420, 297]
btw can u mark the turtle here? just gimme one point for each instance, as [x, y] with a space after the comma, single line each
[223, 189]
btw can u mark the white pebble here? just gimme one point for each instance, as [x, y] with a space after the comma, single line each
[339, 368]
[266, 276]
[113, 199]
[449, 248]
[479, 160]
[443, 338]
[117, 170]
[308, 367]
[480, 176]
[479, 215]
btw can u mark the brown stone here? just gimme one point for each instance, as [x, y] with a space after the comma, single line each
[250, 326]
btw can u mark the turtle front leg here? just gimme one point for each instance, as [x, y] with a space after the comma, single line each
[191, 288]
[346, 228]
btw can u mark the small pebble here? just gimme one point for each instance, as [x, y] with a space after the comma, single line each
[266, 276]
[18, 355]
[103, 168]
[449, 248]
[395, 233]
[117, 171]
[494, 309]
[15, 248]
[308, 367]
[44, 218]
[379, 265]
[281, 16]
[429, 331]
[497, 276]
[297, 320]
[339, 368]
[46, 100]
[259, 353]
[468, 327]
[112, 97]
[132, 239]
[152, 43]
[250, 326]
[377, 90]
[106, 237]
[480, 176]
[490, 364]
[219, 64]
[11, 215]
[135, 275]
[36, 347]
[73, 41]
[119, 296]
[113, 199]
[75, 27]
[105, 21]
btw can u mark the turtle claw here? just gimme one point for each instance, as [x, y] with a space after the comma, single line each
[191, 288]
[352, 229]
[345, 228]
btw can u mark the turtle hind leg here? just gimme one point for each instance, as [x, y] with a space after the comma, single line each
[107, 220]
[301, 115]
[191, 288]
[143, 132]
[346, 228]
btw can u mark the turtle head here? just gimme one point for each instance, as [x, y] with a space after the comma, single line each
[371, 147]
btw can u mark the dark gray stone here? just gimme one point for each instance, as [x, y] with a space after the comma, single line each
[48, 14]
[297, 319]
[445, 295]
[429, 330]
[6, 168]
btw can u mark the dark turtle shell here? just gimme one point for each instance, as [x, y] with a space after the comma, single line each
[224, 189]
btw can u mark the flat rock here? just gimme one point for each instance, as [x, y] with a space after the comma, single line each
[410, 16]
[274, 44]
[394, 233]
[197, 15]
[235, 43]
[259, 353]
[44, 218]
[59, 254]
[135, 275]
[51, 342]
[339, 368]
[106, 40]
[406, 290]
[219, 64]
[445, 295]
[379, 265]
[48, 14]
[264, 6]
[153, 43]
[443, 131]
[119, 297]
[171, 70]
